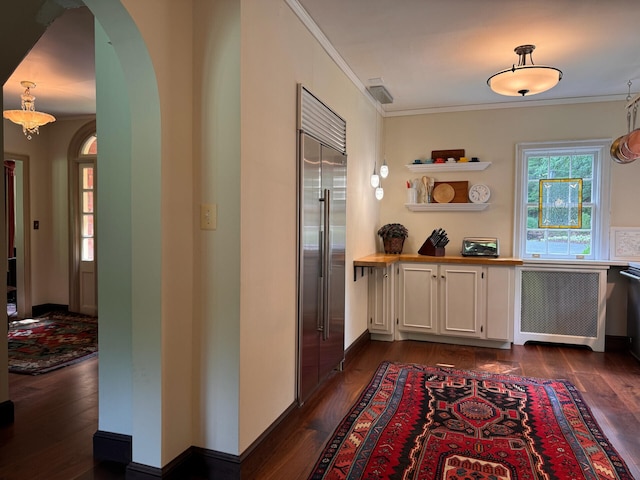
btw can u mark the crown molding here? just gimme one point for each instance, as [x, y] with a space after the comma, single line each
[313, 28]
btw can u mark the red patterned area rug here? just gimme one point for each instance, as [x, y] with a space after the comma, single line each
[420, 422]
[51, 341]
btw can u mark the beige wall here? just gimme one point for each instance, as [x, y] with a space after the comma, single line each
[48, 167]
[277, 53]
[245, 342]
[492, 136]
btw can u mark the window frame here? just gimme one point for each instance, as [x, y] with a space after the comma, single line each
[600, 196]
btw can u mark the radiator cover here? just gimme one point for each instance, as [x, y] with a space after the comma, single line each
[561, 305]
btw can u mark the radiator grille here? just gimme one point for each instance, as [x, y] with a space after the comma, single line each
[560, 303]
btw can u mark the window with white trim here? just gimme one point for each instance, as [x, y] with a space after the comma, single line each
[562, 200]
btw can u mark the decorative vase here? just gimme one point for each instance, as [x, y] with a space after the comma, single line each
[393, 245]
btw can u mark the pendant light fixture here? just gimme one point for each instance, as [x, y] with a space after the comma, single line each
[524, 78]
[30, 119]
[384, 169]
[375, 178]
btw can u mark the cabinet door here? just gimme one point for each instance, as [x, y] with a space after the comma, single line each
[417, 298]
[381, 300]
[500, 303]
[461, 298]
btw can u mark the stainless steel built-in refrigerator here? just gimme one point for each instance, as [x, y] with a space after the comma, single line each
[321, 242]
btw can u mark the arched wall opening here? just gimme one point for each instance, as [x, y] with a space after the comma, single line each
[128, 122]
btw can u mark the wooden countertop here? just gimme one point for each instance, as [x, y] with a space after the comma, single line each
[384, 260]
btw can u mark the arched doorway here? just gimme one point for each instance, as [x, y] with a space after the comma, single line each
[129, 119]
[83, 232]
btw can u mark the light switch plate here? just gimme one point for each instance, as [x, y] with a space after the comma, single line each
[208, 216]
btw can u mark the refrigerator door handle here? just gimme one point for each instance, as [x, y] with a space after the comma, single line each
[326, 267]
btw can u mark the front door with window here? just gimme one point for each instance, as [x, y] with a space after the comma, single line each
[83, 180]
[87, 271]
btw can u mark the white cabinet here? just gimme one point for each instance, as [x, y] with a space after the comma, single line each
[500, 303]
[417, 298]
[449, 302]
[462, 300]
[442, 299]
[381, 311]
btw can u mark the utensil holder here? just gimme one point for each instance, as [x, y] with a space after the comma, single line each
[431, 250]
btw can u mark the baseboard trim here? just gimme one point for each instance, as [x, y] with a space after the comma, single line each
[179, 468]
[616, 343]
[211, 464]
[38, 310]
[7, 413]
[359, 343]
[112, 447]
[198, 461]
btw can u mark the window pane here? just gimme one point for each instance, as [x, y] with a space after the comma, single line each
[87, 178]
[558, 242]
[87, 202]
[87, 225]
[90, 146]
[532, 217]
[580, 242]
[533, 190]
[536, 242]
[586, 190]
[559, 166]
[537, 168]
[87, 250]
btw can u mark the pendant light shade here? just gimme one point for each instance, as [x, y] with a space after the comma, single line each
[30, 119]
[375, 178]
[524, 79]
[379, 193]
[384, 169]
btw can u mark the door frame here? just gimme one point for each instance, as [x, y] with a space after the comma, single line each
[73, 160]
[23, 235]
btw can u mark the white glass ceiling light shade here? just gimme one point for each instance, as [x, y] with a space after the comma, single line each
[384, 169]
[375, 179]
[524, 79]
[28, 117]
[379, 193]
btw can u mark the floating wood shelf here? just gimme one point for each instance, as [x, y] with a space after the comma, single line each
[447, 167]
[446, 207]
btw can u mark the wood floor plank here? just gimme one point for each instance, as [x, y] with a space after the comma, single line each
[56, 413]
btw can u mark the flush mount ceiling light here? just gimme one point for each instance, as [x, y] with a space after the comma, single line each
[524, 79]
[30, 119]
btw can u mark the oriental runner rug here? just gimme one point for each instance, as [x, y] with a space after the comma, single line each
[420, 422]
[52, 341]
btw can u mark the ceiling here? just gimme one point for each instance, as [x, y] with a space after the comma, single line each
[62, 65]
[432, 55]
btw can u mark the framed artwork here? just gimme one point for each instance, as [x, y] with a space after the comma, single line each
[624, 243]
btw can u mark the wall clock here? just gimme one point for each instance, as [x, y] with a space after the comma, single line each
[479, 193]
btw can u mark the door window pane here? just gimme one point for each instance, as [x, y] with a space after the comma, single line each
[86, 206]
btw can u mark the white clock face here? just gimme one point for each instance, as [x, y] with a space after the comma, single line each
[479, 193]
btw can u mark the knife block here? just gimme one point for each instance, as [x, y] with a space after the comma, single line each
[429, 249]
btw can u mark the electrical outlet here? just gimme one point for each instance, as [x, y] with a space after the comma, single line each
[208, 216]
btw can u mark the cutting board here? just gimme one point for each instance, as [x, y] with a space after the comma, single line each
[460, 189]
[446, 154]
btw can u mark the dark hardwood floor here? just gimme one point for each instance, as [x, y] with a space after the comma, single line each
[56, 413]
